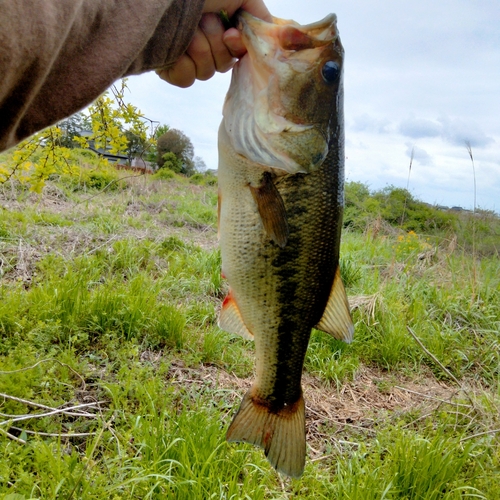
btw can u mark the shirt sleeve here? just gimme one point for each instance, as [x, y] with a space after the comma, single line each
[57, 56]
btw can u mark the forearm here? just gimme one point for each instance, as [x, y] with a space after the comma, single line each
[57, 56]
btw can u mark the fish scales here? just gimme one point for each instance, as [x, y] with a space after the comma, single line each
[280, 217]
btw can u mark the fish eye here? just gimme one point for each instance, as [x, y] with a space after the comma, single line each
[330, 72]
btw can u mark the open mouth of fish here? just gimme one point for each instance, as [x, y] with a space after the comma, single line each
[277, 53]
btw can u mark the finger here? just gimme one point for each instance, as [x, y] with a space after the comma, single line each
[234, 42]
[182, 73]
[213, 29]
[200, 52]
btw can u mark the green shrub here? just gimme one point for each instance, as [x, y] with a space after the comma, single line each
[90, 177]
[164, 174]
[203, 179]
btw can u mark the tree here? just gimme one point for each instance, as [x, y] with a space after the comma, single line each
[176, 142]
[152, 152]
[73, 127]
[171, 162]
[160, 130]
[392, 202]
[199, 164]
[137, 146]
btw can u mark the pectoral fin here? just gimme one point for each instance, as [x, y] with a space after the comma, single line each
[230, 318]
[337, 319]
[271, 209]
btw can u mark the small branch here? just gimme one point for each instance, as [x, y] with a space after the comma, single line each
[493, 431]
[10, 436]
[322, 457]
[413, 422]
[432, 397]
[64, 411]
[55, 434]
[103, 244]
[350, 443]
[339, 422]
[26, 402]
[429, 353]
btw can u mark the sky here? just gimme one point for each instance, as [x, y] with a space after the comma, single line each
[421, 77]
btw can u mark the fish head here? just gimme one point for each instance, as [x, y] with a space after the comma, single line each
[285, 102]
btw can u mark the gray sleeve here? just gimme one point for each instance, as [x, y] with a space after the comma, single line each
[57, 56]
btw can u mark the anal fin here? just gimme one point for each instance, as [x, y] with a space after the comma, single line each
[336, 318]
[271, 210]
[281, 433]
[230, 318]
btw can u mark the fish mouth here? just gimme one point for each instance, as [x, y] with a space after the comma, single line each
[259, 34]
[282, 67]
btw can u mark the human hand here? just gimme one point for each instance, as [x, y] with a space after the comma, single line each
[212, 48]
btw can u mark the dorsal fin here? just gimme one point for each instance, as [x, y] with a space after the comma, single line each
[271, 209]
[336, 318]
[230, 318]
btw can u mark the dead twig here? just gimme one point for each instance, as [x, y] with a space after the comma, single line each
[322, 457]
[429, 353]
[492, 431]
[11, 436]
[339, 422]
[55, 411]
[32, 403]
[55, 434]
[92, 250]
[434, 398]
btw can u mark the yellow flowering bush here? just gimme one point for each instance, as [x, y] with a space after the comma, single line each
[410, 243]
[37, 158]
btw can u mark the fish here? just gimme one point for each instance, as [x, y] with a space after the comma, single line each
[281, 183]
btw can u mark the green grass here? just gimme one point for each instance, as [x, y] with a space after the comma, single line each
[110, 299]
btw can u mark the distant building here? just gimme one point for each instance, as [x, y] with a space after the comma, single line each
[105, 153]
[140, 164]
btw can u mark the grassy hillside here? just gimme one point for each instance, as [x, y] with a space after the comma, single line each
[116, 382]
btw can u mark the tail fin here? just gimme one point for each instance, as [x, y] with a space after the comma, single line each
[282, 434]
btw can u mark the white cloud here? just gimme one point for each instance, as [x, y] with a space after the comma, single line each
[365, 122]
[460, 131]
[417, 128]
[418, 154]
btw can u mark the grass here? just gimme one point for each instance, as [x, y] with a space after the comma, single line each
[109, 300]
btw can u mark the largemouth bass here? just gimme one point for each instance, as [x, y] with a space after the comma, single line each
[281, 176]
